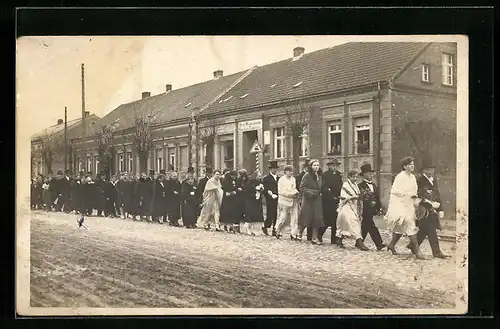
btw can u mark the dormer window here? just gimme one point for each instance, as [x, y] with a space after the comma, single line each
[298, 84]
[227, 98]
[187, 105]
[244, 96]
[273, 85]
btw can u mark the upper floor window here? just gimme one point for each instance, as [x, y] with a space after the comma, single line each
[121, 163]
[362, 135]
[425, 73]
[171, 157]
[130, 161]
[159, 159]
[334, 138]
[279, 143]
[304, 145]
[447, 68]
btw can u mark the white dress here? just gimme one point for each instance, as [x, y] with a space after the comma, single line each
[348, 219]
[400, 215]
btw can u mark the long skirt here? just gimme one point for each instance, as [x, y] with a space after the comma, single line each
[348, 222]
[400, 216]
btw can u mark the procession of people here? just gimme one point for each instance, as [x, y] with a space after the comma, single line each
[234, 201]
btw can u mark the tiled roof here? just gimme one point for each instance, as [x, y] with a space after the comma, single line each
[344, 66]
[176, 104]
[59, 129]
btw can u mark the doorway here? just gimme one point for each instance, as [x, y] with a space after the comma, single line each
[249, 137]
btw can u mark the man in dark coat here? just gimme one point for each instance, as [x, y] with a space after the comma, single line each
[143, 196]
[229, 211]
[67, 183]
[298, 179]
[270, 183]
[332, 185]
[428, 191]
[174, 199]
[159, 200]
[371, 206]
[201, 187]
[101, 198]
[111, 194]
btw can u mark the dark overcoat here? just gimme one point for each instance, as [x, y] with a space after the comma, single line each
[159, 199]
[229, 212]
[174, 199]
[189, 197]
[330, 190]
[253, 206]
[311, 211]
[430, 191]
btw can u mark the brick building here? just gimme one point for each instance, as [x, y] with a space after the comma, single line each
[52, 139]
[370, 103]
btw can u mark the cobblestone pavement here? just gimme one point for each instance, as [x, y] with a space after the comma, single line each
[124, 263]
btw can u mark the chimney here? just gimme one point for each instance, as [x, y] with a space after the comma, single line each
[145, 94]
[168, 88]
[298, 51]
[87, 113]
[60, 121]
[218, 74]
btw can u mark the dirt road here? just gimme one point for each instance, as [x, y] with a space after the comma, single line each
[121, 263]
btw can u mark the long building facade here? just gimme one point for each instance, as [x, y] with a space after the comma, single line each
[369, 103]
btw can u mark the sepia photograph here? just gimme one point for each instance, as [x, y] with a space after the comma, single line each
[273, 175]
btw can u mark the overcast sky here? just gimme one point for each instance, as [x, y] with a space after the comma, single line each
[118, 69]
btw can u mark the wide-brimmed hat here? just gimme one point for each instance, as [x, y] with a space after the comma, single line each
[190, 170]
[162, 171]
[333, 162]
[59, 172]
[273, 164]
[366, 168]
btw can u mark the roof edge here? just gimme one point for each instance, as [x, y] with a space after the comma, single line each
[408, 64]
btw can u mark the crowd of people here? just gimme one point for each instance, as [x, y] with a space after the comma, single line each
[234, 201]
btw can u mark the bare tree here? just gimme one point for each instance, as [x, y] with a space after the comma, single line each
[143, 139]
[49, 147]
[296, 121]
[208, 129]
[105, 148]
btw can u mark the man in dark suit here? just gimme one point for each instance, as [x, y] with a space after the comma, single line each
[431, 202]
[371, 206]
[270, 183]
[201, 187]
[298, 179]
[332, 184]
[159, 203]
[66, 186]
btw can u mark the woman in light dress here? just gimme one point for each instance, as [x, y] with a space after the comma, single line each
[349, 211]
[403, 200]
[212, 200]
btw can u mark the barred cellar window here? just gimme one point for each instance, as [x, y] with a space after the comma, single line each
[447, 69]
[425, 73]
[130, 157]
[121, 163]
[279, 143]
[159, 159]
[334, 138]
[362, 135]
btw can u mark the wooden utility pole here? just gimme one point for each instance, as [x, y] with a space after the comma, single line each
[65, 138]
[83, 102]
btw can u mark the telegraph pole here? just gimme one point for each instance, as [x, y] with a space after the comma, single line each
[83, 101]
[65, 138]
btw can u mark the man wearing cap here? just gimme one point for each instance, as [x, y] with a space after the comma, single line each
[371, 206]
[332, 184]
[429, 193]
[270, 183]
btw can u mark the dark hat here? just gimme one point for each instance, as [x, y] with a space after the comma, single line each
[89, 173]
[366, 168]
[68, 171]
[59, 172]
[190, 170]
[170, 168]
[427, 163]
[273, 164]
[151, 172]
[162, 171]
[209, 170]
[333, 162]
